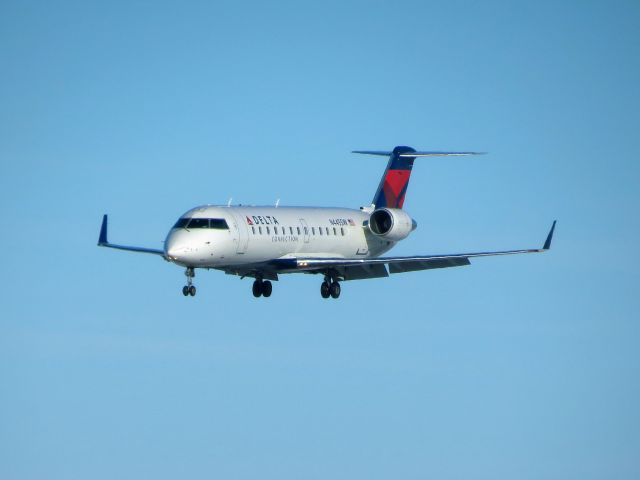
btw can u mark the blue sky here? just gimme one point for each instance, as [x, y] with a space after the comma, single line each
[522, 367]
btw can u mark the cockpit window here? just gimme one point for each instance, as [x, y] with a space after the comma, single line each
[181, 223]
[218, 223]
[189, 223]
[198, 223]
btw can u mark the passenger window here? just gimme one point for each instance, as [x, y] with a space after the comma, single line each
[291, 230]
[253, 229]
[268, 231]
[313, 230]
[342, 231]
[327, 230]
[334, 231]
[260, 230]
[306, 231]
[298, 228]
[320, 230]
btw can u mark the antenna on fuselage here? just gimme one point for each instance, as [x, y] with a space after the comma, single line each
[277, 203]
[229, 202]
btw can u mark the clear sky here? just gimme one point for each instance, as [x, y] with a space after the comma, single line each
[521, 367]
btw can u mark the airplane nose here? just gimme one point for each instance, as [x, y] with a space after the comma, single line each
[179, 246]
[175, 252]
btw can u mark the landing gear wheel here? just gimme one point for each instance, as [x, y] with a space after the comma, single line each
[257, 288]
[334, 290]
[189, 288]
[324, 290]
[267, 288]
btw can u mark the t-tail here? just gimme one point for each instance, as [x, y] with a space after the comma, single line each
[393, 185]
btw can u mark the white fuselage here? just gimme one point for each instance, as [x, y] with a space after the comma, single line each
[256, 234]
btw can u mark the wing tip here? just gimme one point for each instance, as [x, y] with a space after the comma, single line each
[547, 243]
[102, 239]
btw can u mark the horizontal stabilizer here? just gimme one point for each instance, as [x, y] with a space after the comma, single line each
[417, 154]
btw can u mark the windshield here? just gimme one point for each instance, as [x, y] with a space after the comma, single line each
[189, 223]
[181, 223]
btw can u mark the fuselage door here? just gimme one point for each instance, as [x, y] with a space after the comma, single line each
[241, 233]
[305, 230]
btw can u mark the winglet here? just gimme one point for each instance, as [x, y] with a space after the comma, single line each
[547, 243]
[102, 240]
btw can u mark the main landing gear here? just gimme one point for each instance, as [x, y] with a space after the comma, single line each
[262, 288]
[330, 288]
[189, 288]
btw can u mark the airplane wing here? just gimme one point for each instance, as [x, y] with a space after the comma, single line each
[103, 242]
[359, 268]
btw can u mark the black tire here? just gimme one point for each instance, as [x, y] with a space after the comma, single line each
[192, 290]
[267, 288]
[335, 289]
[324, 290]
[185, 290]
[257, 288]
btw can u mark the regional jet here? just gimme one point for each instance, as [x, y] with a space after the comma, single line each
[340, 244]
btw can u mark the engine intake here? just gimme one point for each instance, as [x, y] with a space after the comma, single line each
[391, 223]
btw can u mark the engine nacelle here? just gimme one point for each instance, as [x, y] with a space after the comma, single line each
[391, 223]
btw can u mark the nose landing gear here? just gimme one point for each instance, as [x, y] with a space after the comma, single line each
[189, 288]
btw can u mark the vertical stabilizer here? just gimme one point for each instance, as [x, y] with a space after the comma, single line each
[395, 180]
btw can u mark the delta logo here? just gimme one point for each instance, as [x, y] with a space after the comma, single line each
[260, 220]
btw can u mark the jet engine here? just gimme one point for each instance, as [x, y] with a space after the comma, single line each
[391, 223]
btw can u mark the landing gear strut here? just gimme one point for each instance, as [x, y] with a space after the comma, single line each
[262, 288]
[330, 287]
[189, 288]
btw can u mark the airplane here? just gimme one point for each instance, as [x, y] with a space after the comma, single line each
[341, 244]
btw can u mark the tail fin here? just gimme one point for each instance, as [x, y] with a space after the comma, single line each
[393, 184]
